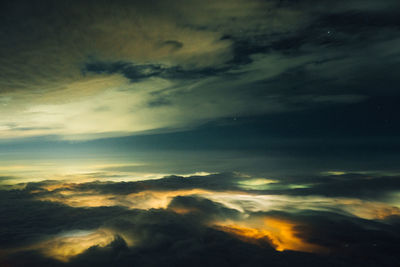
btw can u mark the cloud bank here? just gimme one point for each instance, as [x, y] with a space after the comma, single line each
[195, 220]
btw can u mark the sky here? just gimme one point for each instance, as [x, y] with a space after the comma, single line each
[199, 133]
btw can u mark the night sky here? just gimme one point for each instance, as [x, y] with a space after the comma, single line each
[200, 133]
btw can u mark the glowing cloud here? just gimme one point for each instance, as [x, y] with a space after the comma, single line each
[245, 202]
[67, 245]
[143, 200]
[71, 244]
[279, 233]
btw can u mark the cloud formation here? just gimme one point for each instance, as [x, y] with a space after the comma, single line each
[192, 226]
[278, 118]
[84, 70]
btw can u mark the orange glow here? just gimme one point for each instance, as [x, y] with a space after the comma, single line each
[251, 235]
[182, 210]
[279, 233]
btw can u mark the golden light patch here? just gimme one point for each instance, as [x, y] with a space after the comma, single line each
[52, 187]
[86, 199]
[279, 233]
[160, 199]
[370, 210]
[67, 245]
[247, 234]
[182, 210]
[284, 235]
[64, 247]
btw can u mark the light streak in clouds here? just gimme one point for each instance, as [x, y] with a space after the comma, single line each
[245, 202]
[261, 203]
[142, 200]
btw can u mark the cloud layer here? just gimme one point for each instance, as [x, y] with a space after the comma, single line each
[194, 220]
[84, 70]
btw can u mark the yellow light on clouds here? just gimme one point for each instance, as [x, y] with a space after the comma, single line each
[278, 232]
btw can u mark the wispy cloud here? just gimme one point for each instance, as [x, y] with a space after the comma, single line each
[127, 68]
